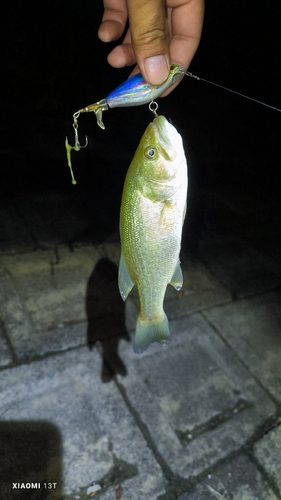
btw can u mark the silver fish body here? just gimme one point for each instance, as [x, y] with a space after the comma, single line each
[151, 219]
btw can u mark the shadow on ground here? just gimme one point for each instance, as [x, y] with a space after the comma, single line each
[106, 317]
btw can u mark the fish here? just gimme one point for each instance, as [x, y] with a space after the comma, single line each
[152, 214]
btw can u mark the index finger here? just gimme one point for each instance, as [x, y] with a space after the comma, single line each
[113, 21]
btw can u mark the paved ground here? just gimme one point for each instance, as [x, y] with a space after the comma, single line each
[83, 417]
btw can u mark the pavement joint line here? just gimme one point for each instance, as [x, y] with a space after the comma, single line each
[119, 473]
[169, 475]
[15, 359]
[269, 424]
[236, 355]
[55, 262]
[38, 357]
[187, 436]
[270, 480]
[213, 469]
[246, 449]
[221, 463]
[176, 485]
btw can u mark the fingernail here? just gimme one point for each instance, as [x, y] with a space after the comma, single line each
[156, 69]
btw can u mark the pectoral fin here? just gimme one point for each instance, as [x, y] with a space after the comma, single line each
[125, 283]
[177, 278]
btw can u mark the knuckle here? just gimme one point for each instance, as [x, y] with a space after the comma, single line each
[152, 37]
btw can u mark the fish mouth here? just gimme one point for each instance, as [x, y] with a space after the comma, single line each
[167, 135]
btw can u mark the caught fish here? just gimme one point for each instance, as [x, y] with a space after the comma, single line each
[152, 214]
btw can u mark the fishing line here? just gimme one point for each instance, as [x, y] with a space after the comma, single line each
[233, 91]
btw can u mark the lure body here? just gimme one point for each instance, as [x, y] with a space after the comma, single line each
[151, 218]
[136, 91]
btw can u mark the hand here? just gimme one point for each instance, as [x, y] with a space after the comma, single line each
[160, 32]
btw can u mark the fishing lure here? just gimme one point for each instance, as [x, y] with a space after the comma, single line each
[134, 92]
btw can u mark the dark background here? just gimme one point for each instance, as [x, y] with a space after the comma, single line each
[53, 63]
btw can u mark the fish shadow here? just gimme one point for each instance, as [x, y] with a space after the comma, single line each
[106, 317]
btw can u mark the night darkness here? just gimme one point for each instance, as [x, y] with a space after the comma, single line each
[54, 64]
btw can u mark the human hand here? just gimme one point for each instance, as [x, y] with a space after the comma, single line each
[161, 32]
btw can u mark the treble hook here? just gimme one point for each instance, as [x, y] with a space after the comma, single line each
[77, 146]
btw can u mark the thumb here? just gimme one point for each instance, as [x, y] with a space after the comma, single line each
[148, 29]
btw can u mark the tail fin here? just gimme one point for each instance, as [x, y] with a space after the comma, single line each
[146, 334]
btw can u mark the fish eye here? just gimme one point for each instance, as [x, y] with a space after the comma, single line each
[150, 153]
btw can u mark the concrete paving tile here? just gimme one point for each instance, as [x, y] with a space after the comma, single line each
[252, 328]
[53, 285]
[5, 352]
[195, 398]
[239, 479]
[268, 452]
[238, 266]
[97, 433]
[60, 339]
[16, 319]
